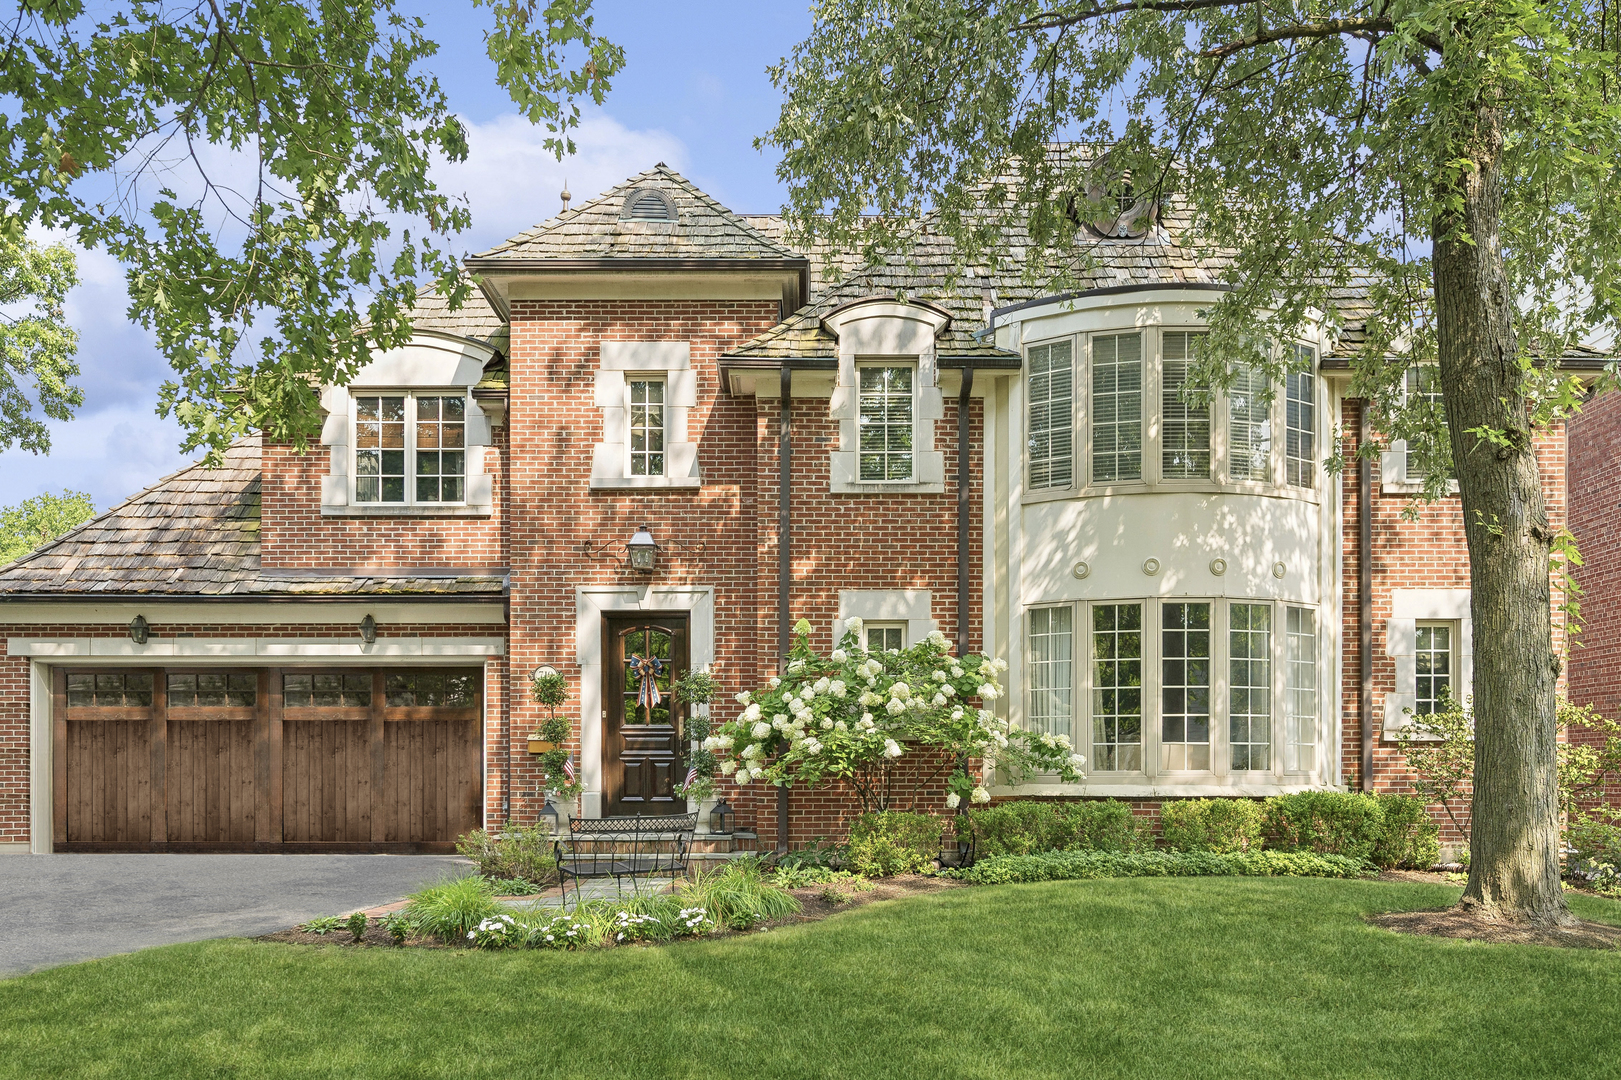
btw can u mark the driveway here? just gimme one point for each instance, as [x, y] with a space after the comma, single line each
[62, 908]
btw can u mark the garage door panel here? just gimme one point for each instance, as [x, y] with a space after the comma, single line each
[109, 795]
[430, 766]
[212, 786]
[326, 781]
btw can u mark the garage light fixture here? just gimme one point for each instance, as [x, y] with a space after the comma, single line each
[368, 629]
[138, 630]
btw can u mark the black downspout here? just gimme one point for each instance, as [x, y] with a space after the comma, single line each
[1364, 596]
[962, 509]
[506, 717]
[784, 565]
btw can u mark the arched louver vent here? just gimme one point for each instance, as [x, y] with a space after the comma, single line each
[649, 204]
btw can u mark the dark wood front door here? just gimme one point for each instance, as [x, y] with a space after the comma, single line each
[641, 746]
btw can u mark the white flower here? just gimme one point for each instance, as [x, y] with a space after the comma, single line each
[821, 685]
[773, 682]
[989, 692]
[780, 720]
[760, 730]
[744, 698]
[866, 720]
[869, 699]
[837, 688]
[999, 664]
[809, 692]
[896, 707]
[752, 713]
[795, 666]
[939, 676]
[948, 690]
[892, 749]
[980, 795]
[939, 700]
[827, 725]
[838, 656]
[709, 743]
[1046, 739]
[900, 691]
[1063, 741]
[811, 746]
[752, 750]
[871, 681]
[952, 799]
[1077, 760]
[742, 776]
[728, 767]
[938, 640]
[854, 626]
[839, 725]
[956, 671]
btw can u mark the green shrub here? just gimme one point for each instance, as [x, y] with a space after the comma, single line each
[1029, 826]
[1076, 865]
[737, 895]
[1219, 825]
[517, 852]
[1107, 825]
[1407, 836]
[452, 909]
[1325, 822]
[828, 856]
[325, 924]
[357, 924]
[1594, 841]
[893, 842]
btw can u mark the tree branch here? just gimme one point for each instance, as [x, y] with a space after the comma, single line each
[1329, 28]
[1053, 20]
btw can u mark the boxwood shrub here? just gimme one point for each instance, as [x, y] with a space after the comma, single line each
[889, 842]
[1407, 836]
[1076, 865]
[1030, 826]
[1219, 825]
[1327, 822]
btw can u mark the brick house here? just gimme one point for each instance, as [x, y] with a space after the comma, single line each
[332, 650]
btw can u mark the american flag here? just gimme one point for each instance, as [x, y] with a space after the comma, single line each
[692, 777]
[568, 768]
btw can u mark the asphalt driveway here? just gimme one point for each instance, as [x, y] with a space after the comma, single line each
[56, 909]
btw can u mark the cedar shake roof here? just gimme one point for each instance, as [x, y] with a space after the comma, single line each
[195, 533]
[596, 229]
[474, 319]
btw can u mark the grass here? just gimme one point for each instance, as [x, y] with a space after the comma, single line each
[1210, 977]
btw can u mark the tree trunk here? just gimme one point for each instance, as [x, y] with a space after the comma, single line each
[1514, 838]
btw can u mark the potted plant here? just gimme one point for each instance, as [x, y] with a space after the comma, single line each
[698, 689]
[550, 688]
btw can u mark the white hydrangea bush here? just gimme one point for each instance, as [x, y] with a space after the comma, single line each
[855, 715]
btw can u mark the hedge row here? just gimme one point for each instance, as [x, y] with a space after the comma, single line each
[1075, 865]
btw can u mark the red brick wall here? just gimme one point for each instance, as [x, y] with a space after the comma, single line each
[15, 696]
[292, 532]
[1595, 520]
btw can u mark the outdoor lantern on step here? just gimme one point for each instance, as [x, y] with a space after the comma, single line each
[548, 817]
[643, 551]
[720, 818]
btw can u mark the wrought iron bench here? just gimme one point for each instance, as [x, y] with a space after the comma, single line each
[637, 848]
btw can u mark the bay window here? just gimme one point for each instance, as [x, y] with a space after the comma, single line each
[1184, 424]
[1249, 687]
[410, 448]
[1051, 415]
[1117, 687]
[1185, 687]
[1117, 408]
[1300, 420]
[1249, 426]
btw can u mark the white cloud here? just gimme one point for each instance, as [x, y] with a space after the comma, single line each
[512, 181]
[110, 453]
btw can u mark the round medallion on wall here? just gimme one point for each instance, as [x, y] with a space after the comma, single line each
[1150, 567]
[1278, 570]
[1218, 566]
[1080, 569]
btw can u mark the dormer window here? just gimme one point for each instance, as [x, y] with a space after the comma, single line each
[649, 204]
[410, 448]
[886, 422]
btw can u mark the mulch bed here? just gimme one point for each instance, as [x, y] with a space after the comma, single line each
[1469, 925]
[817, 903]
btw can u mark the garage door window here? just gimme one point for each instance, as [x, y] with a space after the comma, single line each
[326, 690]
[432, 689]
[110, 690]
[213, 690]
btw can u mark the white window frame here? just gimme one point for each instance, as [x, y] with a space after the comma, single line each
[1409, 608]
[620, 362]
[911, 608]
[1071, 420]
[631, 379]
[886, 332]
[912, 368]
[1312, 462]
[1145, 419]
[1284, 769]
[410, 449]
[1393, 473]
[1428, 628]
[868, 628]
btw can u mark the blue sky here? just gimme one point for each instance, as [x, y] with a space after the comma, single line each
[694, 94]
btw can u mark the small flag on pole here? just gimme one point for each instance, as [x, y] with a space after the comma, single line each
[692, 777]
[568, 768]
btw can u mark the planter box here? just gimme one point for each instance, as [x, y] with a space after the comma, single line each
[541, 746]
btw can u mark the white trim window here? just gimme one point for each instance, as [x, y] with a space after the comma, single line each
[1249, 426]
[1423, 383]
[1300, 687]
[884, 419]
[645, 400]
[1117, 687]
[1117, 408]
[410, 448]
[1184, 423]
[1249, 686]
[1185, 687]
[1051, 415]
[884, 637]
[1433, 666]
[1052, 670]
[1300, 420]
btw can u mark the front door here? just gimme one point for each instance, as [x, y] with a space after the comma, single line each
[641, 745]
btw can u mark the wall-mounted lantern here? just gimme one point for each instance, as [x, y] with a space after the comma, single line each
[643, 551]
[368, 629]
[138, 630]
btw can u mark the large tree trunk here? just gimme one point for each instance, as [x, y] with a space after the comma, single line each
[1514, 838]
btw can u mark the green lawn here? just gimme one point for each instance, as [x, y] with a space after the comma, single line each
[1128, 978]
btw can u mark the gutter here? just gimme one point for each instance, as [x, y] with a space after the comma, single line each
[490, 597]
[962, 508]
[784, 563]
[1364, 586]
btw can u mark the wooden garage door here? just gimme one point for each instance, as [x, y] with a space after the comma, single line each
[267, 760]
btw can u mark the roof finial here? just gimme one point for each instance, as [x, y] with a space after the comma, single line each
[565, 196]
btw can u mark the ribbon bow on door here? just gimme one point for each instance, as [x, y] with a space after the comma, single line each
[647, 669]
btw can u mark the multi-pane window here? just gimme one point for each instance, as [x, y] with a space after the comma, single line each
[109, 690]
[212, 689]
[1052, 675]
[646, 427]
[1117, 687]
[1249, 426]
[1052, 416]
[420, 436]
[885, 637]
[1300, 420]
[1185, 686]
[1433, 667]
[326, 690]
[886, 422]
[436, 689]
[1423, 384]
[1184, 423]
[1117, 408]
[1300, 687]
[1249, 686]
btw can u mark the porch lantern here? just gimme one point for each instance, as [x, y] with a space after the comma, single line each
[643, 551]
[138, 630]
[368, 630]
[720, 818]
[548, 817]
